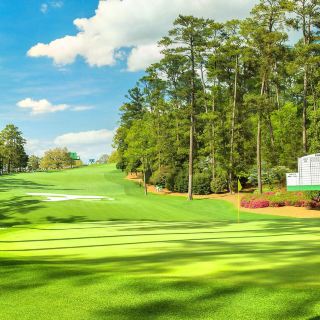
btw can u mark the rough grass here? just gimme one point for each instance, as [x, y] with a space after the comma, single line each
[155, 258]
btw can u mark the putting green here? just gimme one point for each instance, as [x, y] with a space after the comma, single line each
[148, 258]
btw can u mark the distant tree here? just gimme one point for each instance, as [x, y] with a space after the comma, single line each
[103, 159]
[78, 163]
[114, 157]
[33, 163]
[12, 148]
[56, 159]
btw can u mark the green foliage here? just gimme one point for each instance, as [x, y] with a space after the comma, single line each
[181, 182]
[56, 159]
[313, 195]
[12, 153]
[237, 91]
[114, 157]
[220, 183]
[201, 183]
[273, 177]
[33, 163]
[160, 176]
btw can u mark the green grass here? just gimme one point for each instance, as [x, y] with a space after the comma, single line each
[148, 258]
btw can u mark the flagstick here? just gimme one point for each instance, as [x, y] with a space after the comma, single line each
[238, 206]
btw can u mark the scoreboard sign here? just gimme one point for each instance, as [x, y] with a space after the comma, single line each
[308, 177]
[74, 156]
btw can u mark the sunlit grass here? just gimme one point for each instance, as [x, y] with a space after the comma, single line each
[154, 258]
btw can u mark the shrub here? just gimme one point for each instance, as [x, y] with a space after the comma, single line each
[181, 182]
[219, 184]
[255, 203]
[159, 177]
[201, 183]
[170, 179]
[274, 177]
[277, 204]
[279, 199]
[313, 195]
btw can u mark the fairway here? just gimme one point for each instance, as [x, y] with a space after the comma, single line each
[158, 257]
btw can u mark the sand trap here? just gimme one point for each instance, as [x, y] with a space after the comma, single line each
[53, 197]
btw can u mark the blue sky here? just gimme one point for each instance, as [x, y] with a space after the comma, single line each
[22, 25]
[66, 91]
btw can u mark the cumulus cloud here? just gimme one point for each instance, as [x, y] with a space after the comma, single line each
[43, 106]
[38, 147]
[88, 144]
[133, 24]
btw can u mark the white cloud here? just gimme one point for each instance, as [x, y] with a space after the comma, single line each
[37, 147]
[41, 106]
[82, 108]
[56, 4]
[143, 56]
[88, 144]
[84, 138]
[133, 24]
[44, 8]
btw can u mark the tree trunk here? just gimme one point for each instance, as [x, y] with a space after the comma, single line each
[204, 88]
[190, 183]
[271, 132]
[304, 111]
[259, 164]
[191, 147]
[233, 122]
[145, 183]
[212, 144]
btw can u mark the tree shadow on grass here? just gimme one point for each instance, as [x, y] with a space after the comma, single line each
[8, 183]
[11, 183]
[264, 279]
[11, 210]
[70, 219]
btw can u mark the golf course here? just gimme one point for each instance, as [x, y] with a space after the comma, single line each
[128, 256]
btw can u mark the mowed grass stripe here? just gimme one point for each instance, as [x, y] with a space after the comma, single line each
[148, 258]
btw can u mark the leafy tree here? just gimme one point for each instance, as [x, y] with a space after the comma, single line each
[226, 100]
[307, 20]
[103, 159]
[188, 38]
[12, 148]
[33, 163]
[55, 159]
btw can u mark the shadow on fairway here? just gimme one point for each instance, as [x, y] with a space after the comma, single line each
[144, 284]
[10, 183]
[14, 211]
[70, 219]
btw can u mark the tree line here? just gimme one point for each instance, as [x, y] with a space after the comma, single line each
[229, 100]
[13, 157]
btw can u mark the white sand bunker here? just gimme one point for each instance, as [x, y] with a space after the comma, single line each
[53, 197]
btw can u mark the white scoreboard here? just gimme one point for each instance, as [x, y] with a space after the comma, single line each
[308, 177]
